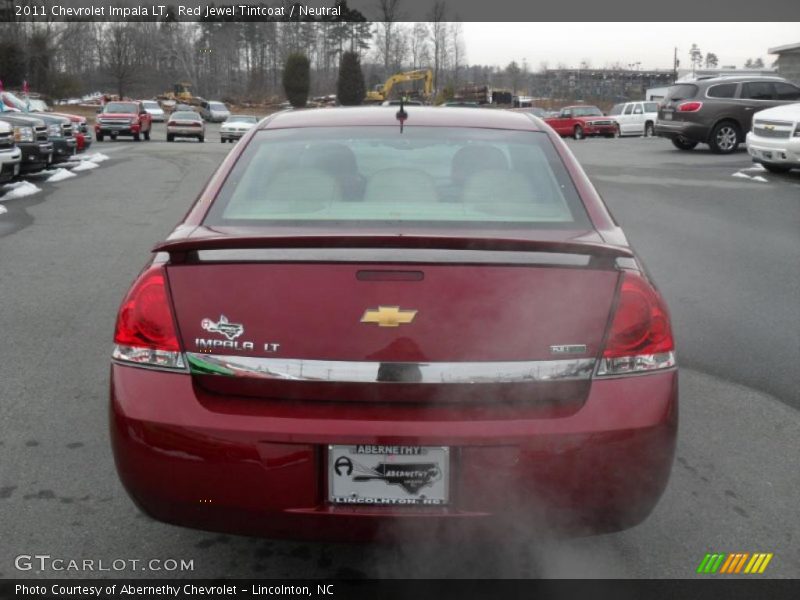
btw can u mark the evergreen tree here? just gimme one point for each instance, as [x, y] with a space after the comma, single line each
[350, 88]
[296, 79]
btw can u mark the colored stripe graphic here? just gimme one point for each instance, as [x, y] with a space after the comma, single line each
[727, 566]
[734, 562]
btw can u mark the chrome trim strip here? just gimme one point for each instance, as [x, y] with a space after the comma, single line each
[394, 256]
[295, 369]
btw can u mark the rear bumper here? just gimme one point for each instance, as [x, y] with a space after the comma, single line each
[231, 135]
[258, 467]
[186, 131]
[774, 151]
[695, 132]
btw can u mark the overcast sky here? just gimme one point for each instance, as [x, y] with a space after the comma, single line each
[651, 44]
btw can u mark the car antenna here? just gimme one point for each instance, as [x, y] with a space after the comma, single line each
[401, 115]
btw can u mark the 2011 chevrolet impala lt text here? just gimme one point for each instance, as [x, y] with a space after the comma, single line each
[376, 319]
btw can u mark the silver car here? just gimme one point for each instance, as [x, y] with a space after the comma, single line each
[213, 111]
[154, 109]
[186, 124]
[235, 127]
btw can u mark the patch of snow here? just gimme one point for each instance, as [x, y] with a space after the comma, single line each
[3, 210]
[759, 178]
[21, 189]
[60, 175]
[740, 174]
[755, 167]
[97, 157]
[85, 165]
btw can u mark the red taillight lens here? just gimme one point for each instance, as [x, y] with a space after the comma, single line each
[690, 106]
[640, 338]
[145, 331]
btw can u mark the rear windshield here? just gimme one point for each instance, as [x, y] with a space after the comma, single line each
[682, 91]
[185, 116]
[216, 106]
[150, 104]
[376, 175]
[242, 119]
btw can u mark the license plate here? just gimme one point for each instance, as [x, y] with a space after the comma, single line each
[667, 116]
[766, 154]
[16, 170]
[388, 475]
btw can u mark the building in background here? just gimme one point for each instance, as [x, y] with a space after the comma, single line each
[597, 85]
[788, 62]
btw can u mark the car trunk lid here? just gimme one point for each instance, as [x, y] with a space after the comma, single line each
[519, 321]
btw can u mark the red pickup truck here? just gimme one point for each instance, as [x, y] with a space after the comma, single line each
[581, 121]
[127, 117]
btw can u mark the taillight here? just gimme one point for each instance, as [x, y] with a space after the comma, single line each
[145, 332]
[640, 338]
[690, 106]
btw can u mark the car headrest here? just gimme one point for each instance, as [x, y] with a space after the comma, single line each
[298, 191]
[401, 186]
[470, 159]
[500, 192]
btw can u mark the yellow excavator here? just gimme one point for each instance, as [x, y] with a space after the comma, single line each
[383, 91]
[181, 92]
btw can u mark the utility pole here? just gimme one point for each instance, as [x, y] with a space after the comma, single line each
[675, 64]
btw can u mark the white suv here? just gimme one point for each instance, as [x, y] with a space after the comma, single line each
[10, 155]
[774, 140]
[635, 118]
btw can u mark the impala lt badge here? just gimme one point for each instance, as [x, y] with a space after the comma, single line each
[223, 326]
[388, 316]
[568, 349]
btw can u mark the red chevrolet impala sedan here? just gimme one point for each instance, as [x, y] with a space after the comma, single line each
[376, 320]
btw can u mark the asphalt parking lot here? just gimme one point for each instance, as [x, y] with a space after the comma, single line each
[719, 235]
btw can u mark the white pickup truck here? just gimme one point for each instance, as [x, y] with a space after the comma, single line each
[635, 118]
[10, 155]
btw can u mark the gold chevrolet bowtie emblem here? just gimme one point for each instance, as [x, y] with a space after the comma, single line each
[769, 127]
[388, 316]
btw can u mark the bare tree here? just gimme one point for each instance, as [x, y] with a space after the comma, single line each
[457, 49]
[418, 46]
[389, 14]
[695, 57]
[119, 54]
[438, 33]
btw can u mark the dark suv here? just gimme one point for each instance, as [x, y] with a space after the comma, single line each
[719, 111]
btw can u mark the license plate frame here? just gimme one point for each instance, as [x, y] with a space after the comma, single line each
[668, 116]
[388, 475]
